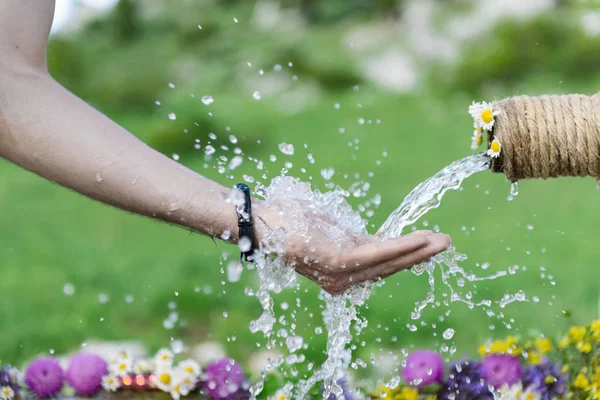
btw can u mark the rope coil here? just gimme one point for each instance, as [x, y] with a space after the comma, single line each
[548, 136]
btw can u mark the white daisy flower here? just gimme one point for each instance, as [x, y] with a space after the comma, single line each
[516, 392]
[6, 393]
[164, 379]
[123, 354]
[190, 367]
[486, 116]
[280, 395]
[121, 367]
[164, 358]
[180, 386]
[111, 382]
[475, 110]
[16, 376]
[476, 140]
[495, 148]
[143, 367]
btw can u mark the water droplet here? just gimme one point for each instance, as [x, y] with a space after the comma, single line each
[200, 27]
[327, 173]
[294, 343]
[235, 20]
[99, 178]
[172, 116]
[286, 148]
[172, 86]
[208, 150]
[245, 244]
[207, 100]
[129, 299]
[514, 189]
[175, 157]
[103, 298]
[256, 95]
[234, 271]
[448, 334]
[69, 289]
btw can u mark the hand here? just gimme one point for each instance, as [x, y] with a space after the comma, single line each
[336, 265]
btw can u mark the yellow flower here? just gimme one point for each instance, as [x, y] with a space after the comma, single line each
[534, 358]
[407, 394]
[483, 350]
[581, 382]
[564, 369]
[577, 333]
[564, 343]
[595, 329]
[544, 345]
[498, 347]
[385, 392]
[584, 347]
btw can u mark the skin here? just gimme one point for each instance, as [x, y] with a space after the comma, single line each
[49, 131]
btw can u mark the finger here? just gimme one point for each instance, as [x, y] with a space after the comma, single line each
[376, 253]
[436, 243]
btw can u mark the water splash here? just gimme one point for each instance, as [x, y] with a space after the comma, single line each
[428, 194]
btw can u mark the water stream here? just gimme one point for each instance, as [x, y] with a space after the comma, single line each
[334, 217]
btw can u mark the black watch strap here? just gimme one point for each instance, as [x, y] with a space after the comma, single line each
[246, 223]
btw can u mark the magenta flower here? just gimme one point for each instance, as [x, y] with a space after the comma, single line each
[44, 377]
[500, 369]
[423, 367]
[223, 379]
[85, 373]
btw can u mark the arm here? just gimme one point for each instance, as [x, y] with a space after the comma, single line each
[49, 131]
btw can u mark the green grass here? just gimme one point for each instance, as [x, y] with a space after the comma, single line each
[50, 236]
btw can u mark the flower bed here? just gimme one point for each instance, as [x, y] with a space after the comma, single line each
[511, 369]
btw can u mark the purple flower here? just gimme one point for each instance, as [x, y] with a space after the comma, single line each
[465, 382]
[7, 379]
[346, 394]
[472, 391]
[500, 369]
[534, 377]
[423, 367]
[85, 373]
[44, 377]
[223, 379]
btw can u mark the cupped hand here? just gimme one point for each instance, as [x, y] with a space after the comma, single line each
[336, 265]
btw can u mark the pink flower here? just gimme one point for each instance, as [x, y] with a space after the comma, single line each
[44, 377]
[85, 373]
[500, 369]
[223, 379]
[423, 367]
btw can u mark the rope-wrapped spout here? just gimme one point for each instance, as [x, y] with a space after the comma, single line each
[548, 136]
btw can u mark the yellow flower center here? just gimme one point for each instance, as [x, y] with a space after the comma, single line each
[487, 116]
[165, 357]
[550, 379]
[164, 378]
[6, 392]
[176, 388]
[282, 397]
[479, 140]
[189, 369]
[530, 396]
[495, 146]
[122, 367]
[110, 381]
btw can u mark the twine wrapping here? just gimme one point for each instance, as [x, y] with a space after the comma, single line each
[548, 136]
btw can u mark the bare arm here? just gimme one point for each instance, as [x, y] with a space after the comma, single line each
[49, 131]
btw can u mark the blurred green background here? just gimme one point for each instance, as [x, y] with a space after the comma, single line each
[397, 76]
